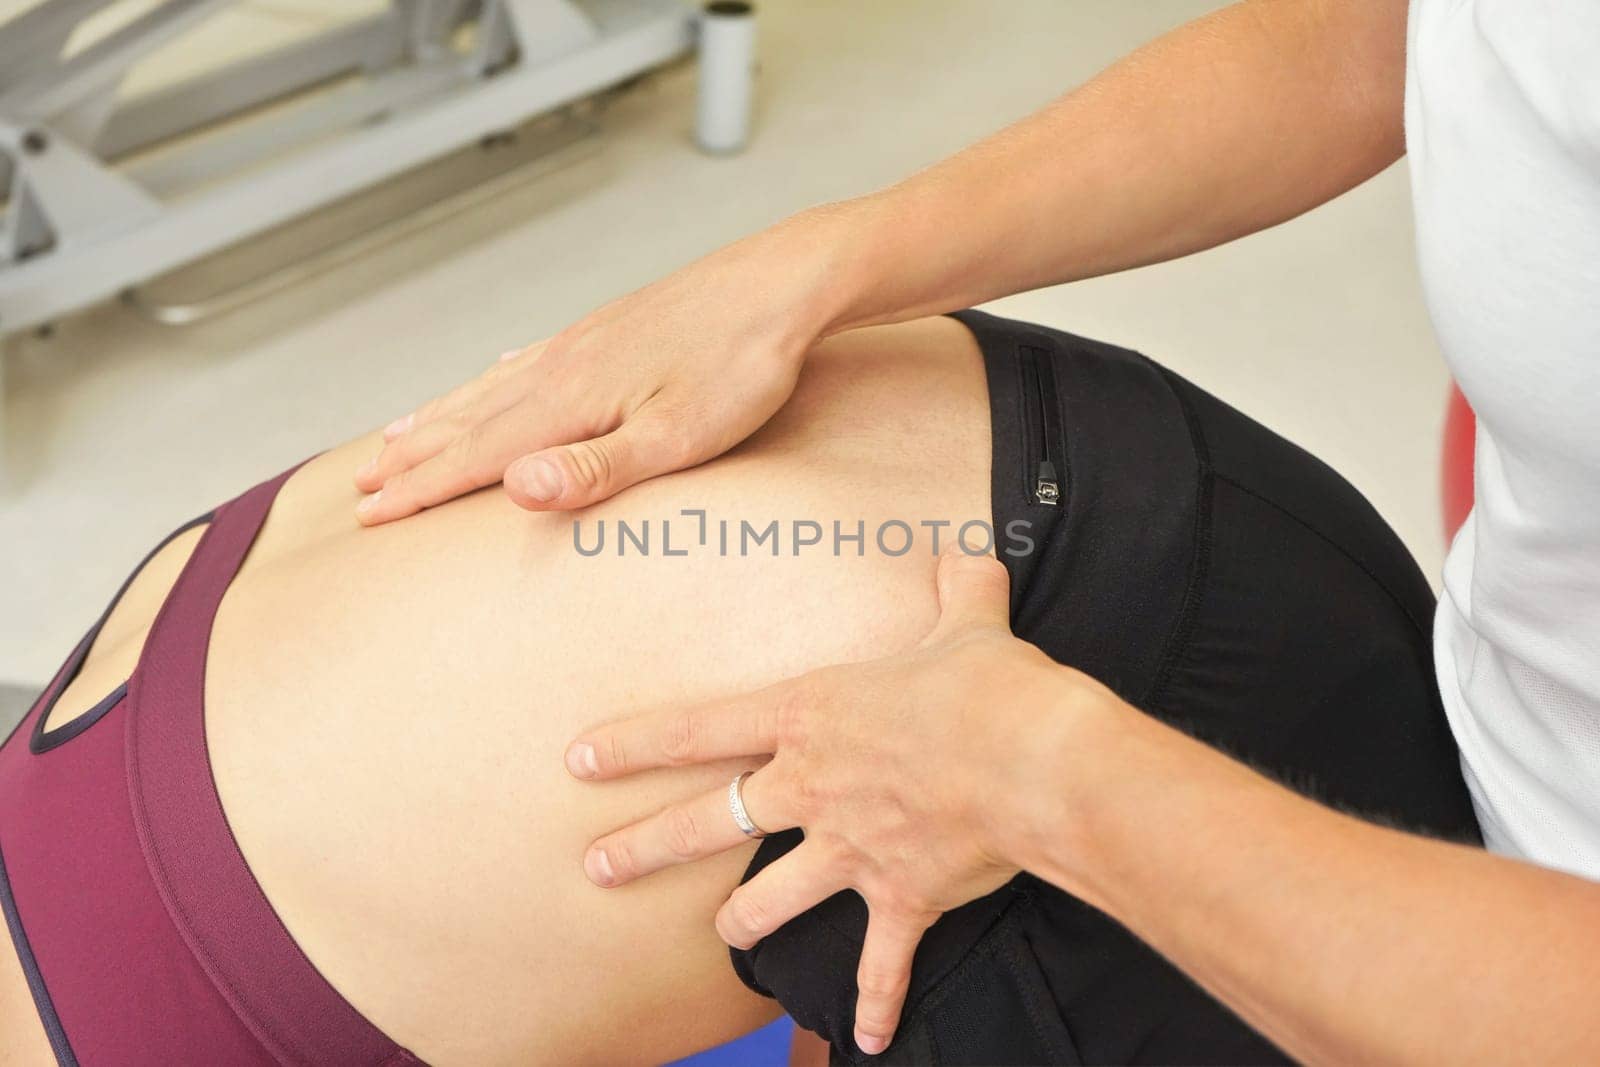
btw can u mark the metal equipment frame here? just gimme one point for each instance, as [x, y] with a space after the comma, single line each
[101, 193]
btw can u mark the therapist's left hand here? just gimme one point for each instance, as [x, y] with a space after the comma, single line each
[912, 777]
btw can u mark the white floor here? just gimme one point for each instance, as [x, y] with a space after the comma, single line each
[118, 429]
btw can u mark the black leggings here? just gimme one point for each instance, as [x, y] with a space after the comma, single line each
[1219, 578]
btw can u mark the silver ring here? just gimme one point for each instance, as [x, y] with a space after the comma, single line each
[736, 807]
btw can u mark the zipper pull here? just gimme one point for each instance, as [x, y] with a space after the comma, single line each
[1046, 489]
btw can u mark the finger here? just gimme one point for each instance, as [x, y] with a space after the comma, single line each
[744, 725]
[436, 425]
[974, 590]
[438, 432]
[460, 397]
[576, 475]
[474, 393]
[459, 468]
[468, 394]
[682, 833]
[884, 975]
[399, 426]
[476, 457]
[413, 448]
[406, 442]
[483, 396]
[794, 884]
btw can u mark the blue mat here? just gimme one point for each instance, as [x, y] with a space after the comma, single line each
[767, 1047]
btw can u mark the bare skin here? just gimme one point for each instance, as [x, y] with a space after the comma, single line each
[387, 710]
[25, 1044]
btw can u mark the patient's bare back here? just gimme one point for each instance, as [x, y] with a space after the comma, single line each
[387, 708]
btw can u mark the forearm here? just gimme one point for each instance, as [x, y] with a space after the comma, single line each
[1340, 940]
[1225, 126]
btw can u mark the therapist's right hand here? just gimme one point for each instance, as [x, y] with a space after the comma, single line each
[659, 380]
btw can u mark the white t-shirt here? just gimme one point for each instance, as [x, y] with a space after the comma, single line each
[1503, 131]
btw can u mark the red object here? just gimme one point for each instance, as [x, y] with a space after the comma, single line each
[1455, 464]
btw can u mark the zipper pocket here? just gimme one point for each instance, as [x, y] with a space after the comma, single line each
[1041, 430]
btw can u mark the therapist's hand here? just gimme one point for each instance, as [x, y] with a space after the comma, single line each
[912, 776]
[663, 379]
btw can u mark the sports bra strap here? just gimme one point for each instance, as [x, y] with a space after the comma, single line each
[202, 876]
[40, 740]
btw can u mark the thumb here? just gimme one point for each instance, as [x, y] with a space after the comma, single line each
[574, 476]
[974, 590]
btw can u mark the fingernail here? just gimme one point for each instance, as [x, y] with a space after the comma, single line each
[368, 467]
[513, 354]
[542, 480]
[581, 762]
[399, 426]
[368, 502]
[871, 1044]
[597, 865]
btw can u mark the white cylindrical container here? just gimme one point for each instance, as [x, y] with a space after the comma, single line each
[727, 76]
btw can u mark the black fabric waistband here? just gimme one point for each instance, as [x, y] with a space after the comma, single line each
[1096, 487]
[1125, 543]
[1213, 575]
